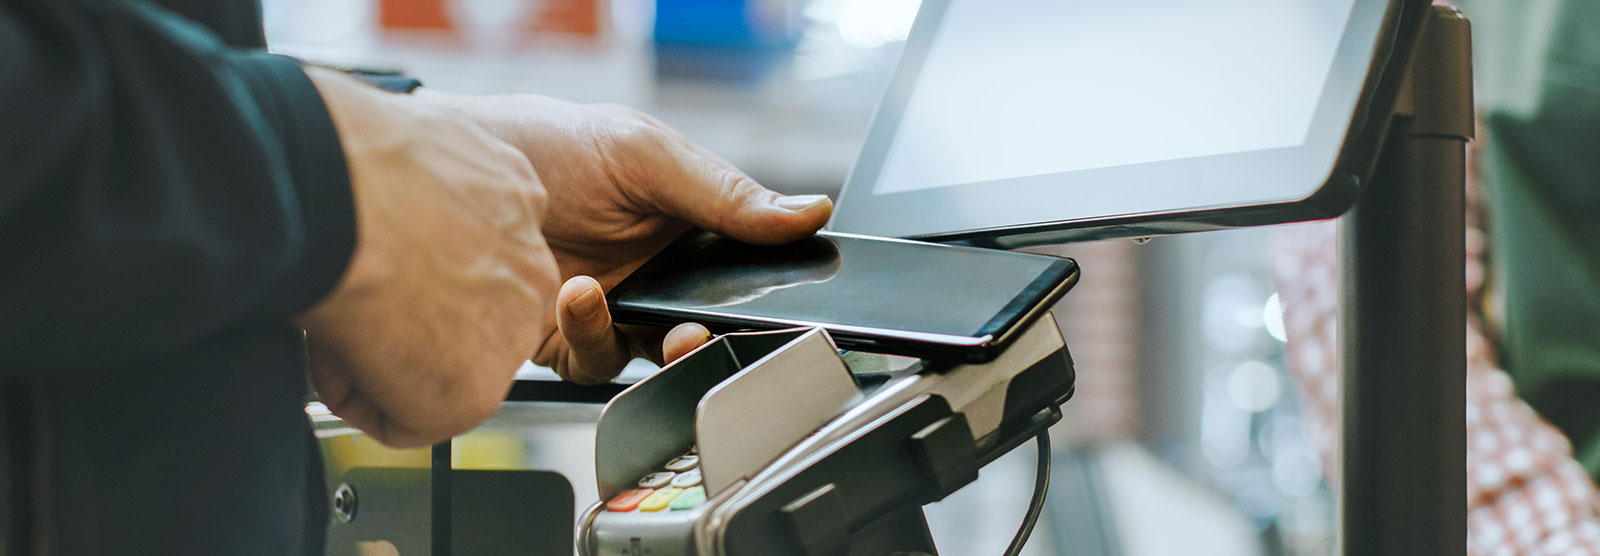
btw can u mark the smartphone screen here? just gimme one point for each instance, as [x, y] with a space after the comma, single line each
[877, 294]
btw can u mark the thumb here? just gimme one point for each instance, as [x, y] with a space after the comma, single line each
[710, 193]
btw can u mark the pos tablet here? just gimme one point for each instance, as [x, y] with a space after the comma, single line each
[1014, 122]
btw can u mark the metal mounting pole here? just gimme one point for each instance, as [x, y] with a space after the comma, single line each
[1403, 320]
[441, 502]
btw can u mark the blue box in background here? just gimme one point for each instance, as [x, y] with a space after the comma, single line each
[725, 40]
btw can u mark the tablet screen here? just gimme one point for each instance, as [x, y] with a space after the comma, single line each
[1032, 121]
[1001, 96]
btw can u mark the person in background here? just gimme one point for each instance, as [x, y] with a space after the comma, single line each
[1533, 275]
[189, 227]
[1538, 69]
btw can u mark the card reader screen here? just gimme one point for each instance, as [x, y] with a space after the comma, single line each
[1080, 84]
[862, 282]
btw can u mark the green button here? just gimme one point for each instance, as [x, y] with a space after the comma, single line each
[690, 498]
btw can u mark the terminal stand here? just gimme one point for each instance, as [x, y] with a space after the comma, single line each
[1402, 464]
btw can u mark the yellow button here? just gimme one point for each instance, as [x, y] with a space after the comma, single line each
[658, 501]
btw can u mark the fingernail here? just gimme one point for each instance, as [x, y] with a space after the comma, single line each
[587, 305]
[800, 203]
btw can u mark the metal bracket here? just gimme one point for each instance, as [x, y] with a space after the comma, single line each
[947, 453]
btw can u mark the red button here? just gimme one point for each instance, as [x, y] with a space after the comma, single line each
[629, 500]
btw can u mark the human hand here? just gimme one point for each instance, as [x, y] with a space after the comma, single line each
[452, 283]
[622, 185]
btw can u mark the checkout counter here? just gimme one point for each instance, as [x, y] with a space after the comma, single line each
[776, 443]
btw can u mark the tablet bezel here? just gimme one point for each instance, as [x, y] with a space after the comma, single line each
[1351, 118]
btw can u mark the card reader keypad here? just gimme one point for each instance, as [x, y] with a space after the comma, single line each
[629, 500]
[683, 463]
[690, 499]
[676, 487]
[657, 480]
[687, 479]
[659, 500]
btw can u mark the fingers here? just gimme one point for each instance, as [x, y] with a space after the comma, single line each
[713, 195]
[343, 399]
[725, 202]
[692, 184]
[598, 351]
[683, 339]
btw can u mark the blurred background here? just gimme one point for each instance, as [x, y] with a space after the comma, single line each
[1184, 437]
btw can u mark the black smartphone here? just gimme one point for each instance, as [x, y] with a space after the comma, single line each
[871, 294]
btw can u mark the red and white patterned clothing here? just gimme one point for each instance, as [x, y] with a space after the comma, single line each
[1526, 495]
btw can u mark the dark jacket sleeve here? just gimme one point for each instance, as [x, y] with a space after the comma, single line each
[156, 186]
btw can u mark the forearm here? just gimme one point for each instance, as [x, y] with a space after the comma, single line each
[159, 186]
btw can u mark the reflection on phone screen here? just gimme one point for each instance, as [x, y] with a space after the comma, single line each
[839, 279]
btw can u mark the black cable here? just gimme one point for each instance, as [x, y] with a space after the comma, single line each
[1041, 485]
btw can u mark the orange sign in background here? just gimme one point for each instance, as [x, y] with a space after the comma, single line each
[579, 17]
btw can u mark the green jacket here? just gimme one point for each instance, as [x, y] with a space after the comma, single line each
[1538, 85]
